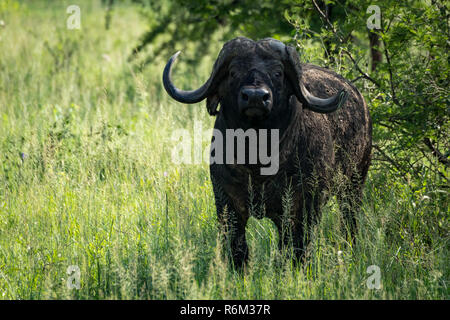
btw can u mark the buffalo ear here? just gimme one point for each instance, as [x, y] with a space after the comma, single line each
[212, 102]
[293, 70]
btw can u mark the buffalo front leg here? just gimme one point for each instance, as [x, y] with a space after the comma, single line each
[234, 241]
[232, 224]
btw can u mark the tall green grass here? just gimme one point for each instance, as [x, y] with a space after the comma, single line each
[86, 179]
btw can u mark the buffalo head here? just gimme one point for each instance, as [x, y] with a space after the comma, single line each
[253, 79]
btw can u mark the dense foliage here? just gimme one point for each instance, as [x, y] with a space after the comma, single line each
[406, 86]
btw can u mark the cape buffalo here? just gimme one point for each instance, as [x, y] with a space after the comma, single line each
[324, 128]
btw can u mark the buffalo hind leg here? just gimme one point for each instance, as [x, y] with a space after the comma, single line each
[290, 233]
[350, 199]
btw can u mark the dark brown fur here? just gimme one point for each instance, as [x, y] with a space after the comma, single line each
[314, 147]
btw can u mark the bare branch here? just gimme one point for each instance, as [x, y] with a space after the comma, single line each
[363, 74]
[325, 18]
[436, 153]
[389, 159]
[391, 82]
[341, 40]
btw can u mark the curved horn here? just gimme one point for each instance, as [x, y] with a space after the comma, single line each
[323, 105]
[308, 99]
[192, 96]
[229, 50]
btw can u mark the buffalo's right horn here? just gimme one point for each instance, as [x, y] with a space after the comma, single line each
[192, 96]
[229, 50]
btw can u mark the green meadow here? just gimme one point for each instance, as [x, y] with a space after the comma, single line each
[87, 180]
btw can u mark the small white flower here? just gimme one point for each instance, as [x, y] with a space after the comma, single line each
[339, 256]
[106, 57]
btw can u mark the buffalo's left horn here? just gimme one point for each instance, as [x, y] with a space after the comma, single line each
[310, 101]
[324, 105]
[229, 50]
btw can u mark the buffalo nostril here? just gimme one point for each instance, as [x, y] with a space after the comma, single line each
[266, 97]
[244, 97]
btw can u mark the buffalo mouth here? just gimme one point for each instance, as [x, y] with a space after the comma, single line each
[256, 112]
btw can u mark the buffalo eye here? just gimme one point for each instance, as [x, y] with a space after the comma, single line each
[278, 74]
